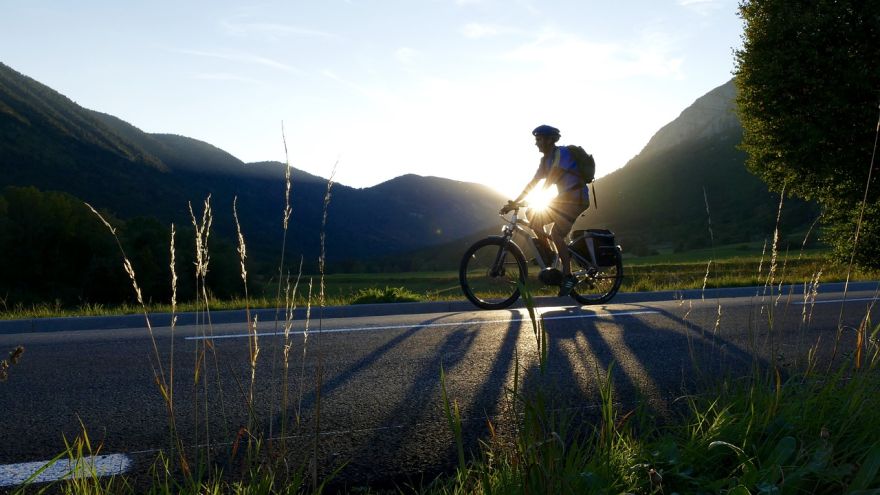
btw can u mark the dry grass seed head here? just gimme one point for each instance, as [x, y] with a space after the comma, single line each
[14, 358]
[16, 354]
[173, 272]
[287, 209]
[101, 217]
[242, 248]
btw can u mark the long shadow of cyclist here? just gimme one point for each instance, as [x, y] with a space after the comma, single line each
[654, 359]
[427, 454]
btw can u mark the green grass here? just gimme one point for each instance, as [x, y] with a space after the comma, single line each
[731, 267]
[387, 295]
[812, 434]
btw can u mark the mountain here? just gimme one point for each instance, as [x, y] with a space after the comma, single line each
[50, 142]
[709, 116]
[692, 172]
[660, 198]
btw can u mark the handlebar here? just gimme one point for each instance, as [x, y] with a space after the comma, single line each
[513, 206]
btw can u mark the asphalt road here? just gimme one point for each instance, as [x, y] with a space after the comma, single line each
[378, 406]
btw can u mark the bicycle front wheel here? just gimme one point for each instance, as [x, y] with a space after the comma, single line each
[598, 286]
[491, 271]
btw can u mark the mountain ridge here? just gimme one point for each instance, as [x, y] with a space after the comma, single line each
[710, 114]
[689, 187]
[659, 197]
[48, 141]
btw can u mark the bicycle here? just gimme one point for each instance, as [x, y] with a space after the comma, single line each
[493, 269]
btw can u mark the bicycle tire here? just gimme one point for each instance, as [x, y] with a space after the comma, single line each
[602, 286]
[485, 289]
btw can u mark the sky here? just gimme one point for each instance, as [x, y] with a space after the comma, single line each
[375, 89]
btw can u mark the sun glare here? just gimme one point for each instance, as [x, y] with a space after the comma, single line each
[539, 198]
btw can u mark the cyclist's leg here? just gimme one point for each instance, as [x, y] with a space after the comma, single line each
[564, 210]
[537, 221]
[558, 233]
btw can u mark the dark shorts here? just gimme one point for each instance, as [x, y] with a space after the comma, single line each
[562, 212]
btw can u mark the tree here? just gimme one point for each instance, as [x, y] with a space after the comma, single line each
[809, 83]
[54, 250]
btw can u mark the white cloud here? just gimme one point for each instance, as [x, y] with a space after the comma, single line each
[271, 30]
[406, 55]
[224, 76]
[589, 60]
[244, 57]
[378, 96]
[701, 7]
[476, 30]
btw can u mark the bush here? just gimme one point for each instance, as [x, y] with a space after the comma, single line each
[387, 295]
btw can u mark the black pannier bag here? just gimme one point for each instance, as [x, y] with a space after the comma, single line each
[602, 243]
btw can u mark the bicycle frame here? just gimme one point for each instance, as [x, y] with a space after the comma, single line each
[516, 225]
[496, 266]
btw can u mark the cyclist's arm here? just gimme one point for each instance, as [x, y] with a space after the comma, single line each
[531, 185]
[540, 174]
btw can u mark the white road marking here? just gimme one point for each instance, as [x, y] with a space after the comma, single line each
[829, 301]
[421, 325]
[102, 465]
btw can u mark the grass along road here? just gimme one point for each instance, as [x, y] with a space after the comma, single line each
[753, 430]
[729, 267]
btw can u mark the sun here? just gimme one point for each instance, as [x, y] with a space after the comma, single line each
[540, 197]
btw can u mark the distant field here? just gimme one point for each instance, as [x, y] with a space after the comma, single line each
[730, 266]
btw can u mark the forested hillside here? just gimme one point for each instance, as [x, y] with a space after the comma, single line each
[49, 143]
[692, 172]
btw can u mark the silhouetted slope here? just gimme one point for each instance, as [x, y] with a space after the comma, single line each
[48, 141]
[690, 171]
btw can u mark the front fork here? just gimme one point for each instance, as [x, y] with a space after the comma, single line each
[498, 265]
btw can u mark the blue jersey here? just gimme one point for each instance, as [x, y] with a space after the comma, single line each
[569, 182]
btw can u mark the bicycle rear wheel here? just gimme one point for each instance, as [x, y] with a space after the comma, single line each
[598, 286]
[491, 271]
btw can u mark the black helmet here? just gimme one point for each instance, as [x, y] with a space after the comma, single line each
[545, 130]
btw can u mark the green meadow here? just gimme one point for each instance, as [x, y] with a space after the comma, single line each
[739, 265]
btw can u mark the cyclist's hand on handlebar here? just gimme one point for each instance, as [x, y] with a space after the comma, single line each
[510, 206]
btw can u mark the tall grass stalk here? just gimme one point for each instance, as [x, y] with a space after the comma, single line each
[302, 373]
[453, 417]
[856, 239]
[761, 265]
[319, 368]
[811, 292]
[711, 242]
[289, 310]
[202, 231]
[253, 339]
[285, 220]
[774, 247]
[537, 324]
[177, 441]
[770, 283]
[165, 385]
[283, 278]
[156, 362]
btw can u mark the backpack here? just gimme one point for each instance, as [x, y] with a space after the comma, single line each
[585, 162]
[586, 168]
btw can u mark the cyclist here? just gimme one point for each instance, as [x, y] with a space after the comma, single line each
[557, 167]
